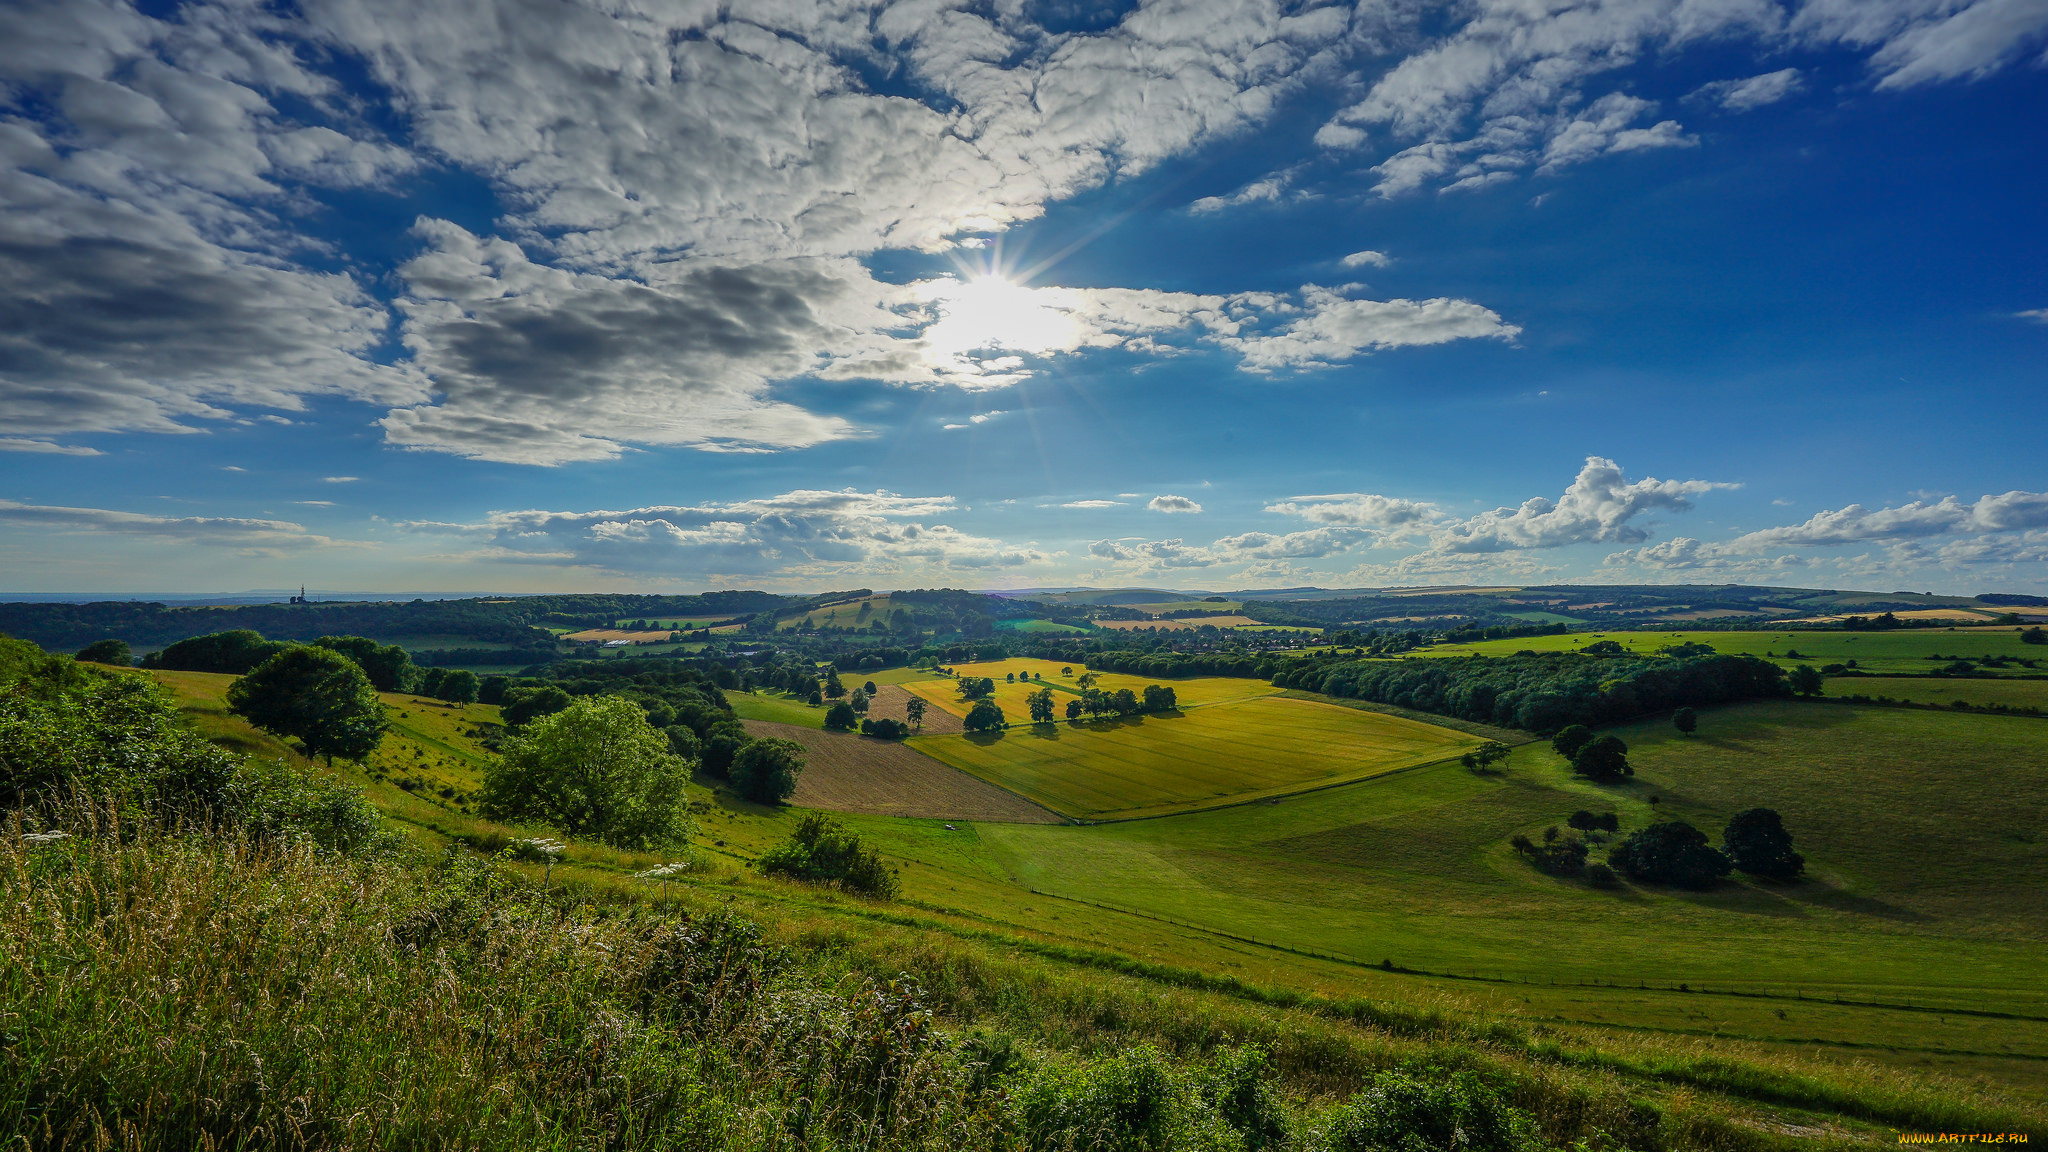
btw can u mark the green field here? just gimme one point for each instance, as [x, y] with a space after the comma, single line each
[1928, 866]
[778, 707]
[1137, 766]
[2008, 691]
[1906, 650]
[1925, 914]
[1036, 626]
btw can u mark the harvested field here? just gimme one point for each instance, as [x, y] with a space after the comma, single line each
[619, 634]
[848, 773]
[1178, 625]
[890, 699]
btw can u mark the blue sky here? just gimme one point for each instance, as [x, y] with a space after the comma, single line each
[541, 295]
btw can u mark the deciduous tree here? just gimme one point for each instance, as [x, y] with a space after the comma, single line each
[1756, 842]
[319, 697]
[597, 768]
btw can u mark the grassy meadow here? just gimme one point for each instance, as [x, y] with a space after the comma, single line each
[2012, 693]
[1904, 651]
[1900, 983]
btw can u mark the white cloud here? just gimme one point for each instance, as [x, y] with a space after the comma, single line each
[1505, 89]
[44, 447]
[1173, 504]
[1266, 189]
[1598, 507]
[1359, 509]
[1367, 259]
[333, 479]
[1152, 555]
[1093, 504]
[316, 503]
[1335, 329]
[1752, 93]
[981, 418]
[2037, 315]
[220, 530]
[795, 536]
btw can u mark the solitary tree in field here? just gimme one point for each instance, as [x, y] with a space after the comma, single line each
[596, 768]
[1685, 720]
[1074, 708]
[765, 771]
[1159, 698]
[1041, 705]
[1570, 739]
[869, 688]
[1485, 756]
[1066, 671]
[1757, 843]
[1805, 681]
[1605, 759]
[985, 716]
[914, 709]
[320, 697]
[841, 717]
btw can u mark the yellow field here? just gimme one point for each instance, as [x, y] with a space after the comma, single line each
[1011, 697]
[1247, 749]
[589, 634]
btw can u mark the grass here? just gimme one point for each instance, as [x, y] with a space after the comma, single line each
[1906, 650]
[846, 615]
[1929, 875]
[1873, 990]
[1944, 690]
[1038, 626]
[1137, 766]
[779, 707]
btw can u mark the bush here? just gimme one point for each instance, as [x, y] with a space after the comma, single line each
[821, 850]
[1686, 720]
[885, 728]
[1601, 876]
[1670, 852]
[237, 652]
[1434, 1112]
[597, 768]
[113, 652]
[765, 771]
[522, 706]
[1756, 842]
[1558, 856]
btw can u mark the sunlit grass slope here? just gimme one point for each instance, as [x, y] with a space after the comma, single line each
[1135, 766]
[1906, 650]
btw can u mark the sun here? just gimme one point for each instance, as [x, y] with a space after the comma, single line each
[989, 313]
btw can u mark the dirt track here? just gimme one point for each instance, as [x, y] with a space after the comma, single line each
[848, 773]
[889, 700]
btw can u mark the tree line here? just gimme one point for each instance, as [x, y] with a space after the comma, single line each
[1542, 692]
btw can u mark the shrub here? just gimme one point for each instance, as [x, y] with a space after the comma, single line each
[820, 849]
[1601, 876]
[1670, 852]
[522, 706]
[885, 728]
[1756, 842]
[1433, 1112]
[106, 652]
[1558, 856]
[237, 652]
[1686, 720]
[597, 768]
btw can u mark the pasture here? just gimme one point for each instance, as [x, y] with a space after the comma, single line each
[1906, 650]
[847, 614]
[1038, 626]
[1928, 872]
[596, 635]
[2011, 692]
[1137, 766]
[774, 707]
